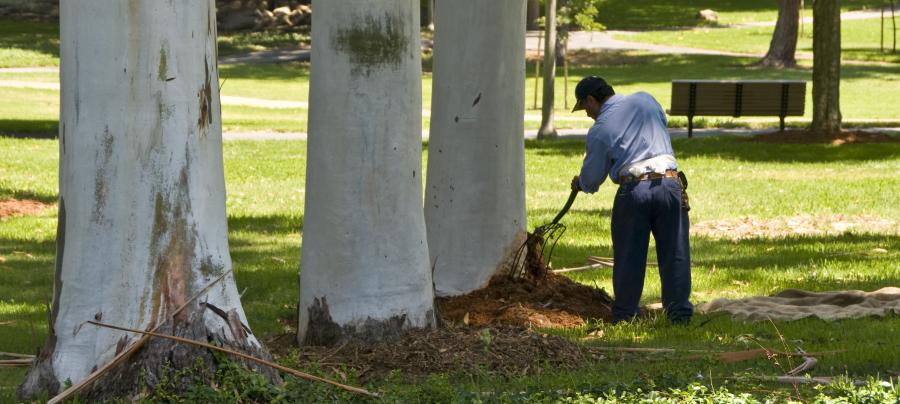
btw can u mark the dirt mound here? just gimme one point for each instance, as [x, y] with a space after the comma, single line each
[21, 207]
[500, 350]
[804, 136]
[552, 301]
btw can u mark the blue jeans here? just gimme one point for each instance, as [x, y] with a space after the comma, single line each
[639, 209]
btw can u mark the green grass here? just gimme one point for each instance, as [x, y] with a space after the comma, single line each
[730, 178]
[863, 86]
[28, 44]
[860, 40]
[242, 42]
[651, 14]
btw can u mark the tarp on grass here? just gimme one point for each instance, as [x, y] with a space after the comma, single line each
[794, 304]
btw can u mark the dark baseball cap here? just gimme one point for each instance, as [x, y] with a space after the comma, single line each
[591, 85]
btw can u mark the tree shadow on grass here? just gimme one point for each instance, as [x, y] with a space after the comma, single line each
[29, 129]
[32, 195]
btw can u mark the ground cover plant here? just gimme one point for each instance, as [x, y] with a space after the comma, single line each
[730, 178]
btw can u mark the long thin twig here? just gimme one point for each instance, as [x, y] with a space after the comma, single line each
[288, 370]
[131, 349]
[16, 355]
[577, 269]
[16, 363]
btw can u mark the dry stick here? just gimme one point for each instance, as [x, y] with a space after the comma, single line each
[288, 370]
[16, 355]
[127, 352]
[584, 268]
[16, 363]
[7, 322]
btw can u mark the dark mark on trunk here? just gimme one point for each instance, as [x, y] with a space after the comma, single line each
[205, 96]
[373, 42]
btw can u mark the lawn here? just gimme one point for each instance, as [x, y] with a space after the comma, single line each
[860, 40]
[656, 14]
[36, 110]
[730, 178]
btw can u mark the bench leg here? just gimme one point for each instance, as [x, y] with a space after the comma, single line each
[690, 126]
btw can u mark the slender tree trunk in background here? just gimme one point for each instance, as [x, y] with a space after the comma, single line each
[783, 46]
[533, 13]
[826, 66]
[548, 128]
[475, 193]
[427, 14]
[142, 225]
[364, 269]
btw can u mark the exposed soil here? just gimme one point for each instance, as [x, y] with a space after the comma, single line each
[22, 207]
[803, 136]
[751, 227]
[497, 350]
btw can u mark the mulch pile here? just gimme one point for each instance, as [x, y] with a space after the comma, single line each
[811, 137]
[489, 330]
[21, 207]
[497, 350]
[552, 301]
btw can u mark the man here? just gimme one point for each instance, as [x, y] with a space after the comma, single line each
[629, 142]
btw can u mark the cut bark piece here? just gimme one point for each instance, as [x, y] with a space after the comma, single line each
[142, 223]
[365, 269]
[475, 190]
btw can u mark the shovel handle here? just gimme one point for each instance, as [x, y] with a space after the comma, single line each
[566, 207]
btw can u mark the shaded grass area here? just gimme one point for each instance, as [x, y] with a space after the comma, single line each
[232, 43]
[649, 14]
[860, 40]
[28, 43]
[730, 177]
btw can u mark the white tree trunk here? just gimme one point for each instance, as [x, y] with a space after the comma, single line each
[475, 193]
[364, 267]
[142, 224]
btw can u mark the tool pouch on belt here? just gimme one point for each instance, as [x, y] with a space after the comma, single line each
[685, 201]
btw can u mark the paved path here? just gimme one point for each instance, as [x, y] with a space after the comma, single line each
[848, 16]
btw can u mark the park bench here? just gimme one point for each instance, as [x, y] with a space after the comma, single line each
[737, 98]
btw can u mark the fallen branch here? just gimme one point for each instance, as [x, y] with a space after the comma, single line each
[288, 370]
[584, 268]
[131, 349]
[7, 322]
[16, 355]
[725, 357]
[16, 363]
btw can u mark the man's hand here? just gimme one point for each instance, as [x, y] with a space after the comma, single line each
[576, 184]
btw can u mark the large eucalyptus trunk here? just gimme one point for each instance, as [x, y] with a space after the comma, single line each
[365, 269]
[826, 66]
[475, 193]
[783, 46]
[548, 128]
[142, 224]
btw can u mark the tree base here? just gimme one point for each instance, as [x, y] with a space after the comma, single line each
[323, 331]
[155, 365]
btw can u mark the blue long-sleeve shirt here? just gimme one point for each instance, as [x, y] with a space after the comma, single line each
[629, 129]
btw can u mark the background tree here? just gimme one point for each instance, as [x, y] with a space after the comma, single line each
[365, 268]
[475, 193]
[826, 66]
[548, 128]
[142, 225]
[784, 39]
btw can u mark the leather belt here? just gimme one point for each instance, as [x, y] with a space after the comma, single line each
[627, 179]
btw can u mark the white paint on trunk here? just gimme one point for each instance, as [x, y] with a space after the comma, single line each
[142, 190]
[364, 243]
[475, 193]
